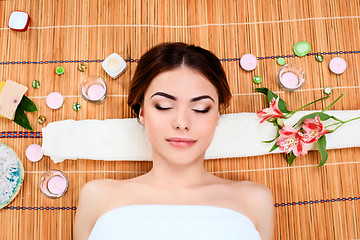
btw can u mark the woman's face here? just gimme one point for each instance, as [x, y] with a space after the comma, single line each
[180, 113]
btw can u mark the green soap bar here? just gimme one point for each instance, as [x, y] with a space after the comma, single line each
[59, 70]
[302, 48]
[257, 79]
[281, 61]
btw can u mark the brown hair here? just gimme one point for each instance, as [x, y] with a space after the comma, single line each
[168, 56]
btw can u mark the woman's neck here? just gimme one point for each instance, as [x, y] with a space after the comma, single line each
[172, 175]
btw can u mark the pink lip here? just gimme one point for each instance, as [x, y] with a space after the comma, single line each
[181, 142]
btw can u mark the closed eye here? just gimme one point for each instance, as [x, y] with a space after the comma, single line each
[202, 111]
[158, 107]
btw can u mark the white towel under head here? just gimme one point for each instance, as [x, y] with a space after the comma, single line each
[238, 135]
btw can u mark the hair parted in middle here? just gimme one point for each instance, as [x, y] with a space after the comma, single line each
[168, 56]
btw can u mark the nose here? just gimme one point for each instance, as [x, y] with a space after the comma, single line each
[182, 120]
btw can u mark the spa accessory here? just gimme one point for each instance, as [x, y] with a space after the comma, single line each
[238, 135]
[301, 48]
[34, 153]
[114, 65]
[93, 89]
[291, 77]
[257, 79]
[327, 90]
[11, 175]
[176, 222]
[319, 57]
[248, 62]
[11, 94]
[19, 21]
[54, 184]
[82, 67]
[41, 119]
[54, 100]
[36, 84]
[59, 70]
[281, 61]
[76, 106]
[337, 65]
[312, 128]
[14, 104]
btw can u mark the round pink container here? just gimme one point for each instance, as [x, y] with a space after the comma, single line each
[93, 89]
[54, 183]
[291, 77]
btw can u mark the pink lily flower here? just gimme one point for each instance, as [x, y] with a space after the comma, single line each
[291, 140]
[314, 129]
[271, 112]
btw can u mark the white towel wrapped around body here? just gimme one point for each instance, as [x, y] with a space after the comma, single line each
[238, 135]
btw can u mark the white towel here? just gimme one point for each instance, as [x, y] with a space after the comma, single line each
[176, 222]
[238, 135]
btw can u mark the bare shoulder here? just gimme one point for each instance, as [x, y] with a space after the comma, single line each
[92, 199]
[258, 198]
[256, 191]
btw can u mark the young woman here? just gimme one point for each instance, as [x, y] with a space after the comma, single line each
[177, 92]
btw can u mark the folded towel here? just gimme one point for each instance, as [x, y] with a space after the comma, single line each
[237, 135]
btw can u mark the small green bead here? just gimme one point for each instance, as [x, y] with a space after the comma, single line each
[41, 119]
[59, 70]
[301, 48]
[281, 61]
[257, 79]
[319, 57]
[327, 90]
[36, 84]
[76, 106]
[82, 67]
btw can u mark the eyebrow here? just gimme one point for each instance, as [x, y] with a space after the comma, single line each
[195, 99]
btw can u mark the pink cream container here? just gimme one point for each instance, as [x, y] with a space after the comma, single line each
[291, 77]
[54, 183]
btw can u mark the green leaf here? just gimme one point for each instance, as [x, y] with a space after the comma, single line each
[291, 158]
[323, 117]
[22, 120]
[270, 95]
[321, 144]
[262, 90]
[275, 146]
[269, 141]
[27, 105]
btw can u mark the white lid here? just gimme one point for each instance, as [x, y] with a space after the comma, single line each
[114, 65]
[18, 20]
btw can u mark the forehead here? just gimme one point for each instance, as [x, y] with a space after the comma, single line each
[182, 82]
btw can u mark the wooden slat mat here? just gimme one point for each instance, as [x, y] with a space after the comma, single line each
[311, 202]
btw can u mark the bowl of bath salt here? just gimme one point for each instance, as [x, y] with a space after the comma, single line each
[11, 175]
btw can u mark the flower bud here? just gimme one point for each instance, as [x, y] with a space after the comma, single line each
[280, 122]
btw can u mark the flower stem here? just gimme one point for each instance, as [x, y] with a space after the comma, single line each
[292, 113]
[341, 123]
[333, 103]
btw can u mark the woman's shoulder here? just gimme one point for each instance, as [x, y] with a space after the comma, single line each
[258, 199]
[253, 194]
[100, 188]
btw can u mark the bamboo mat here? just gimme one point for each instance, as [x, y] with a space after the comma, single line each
[311, 202]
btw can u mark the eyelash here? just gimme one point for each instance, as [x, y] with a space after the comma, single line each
[195, 110]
